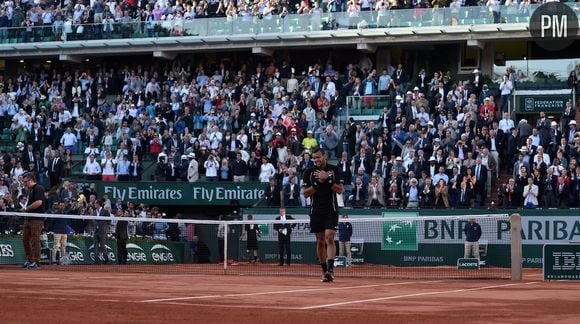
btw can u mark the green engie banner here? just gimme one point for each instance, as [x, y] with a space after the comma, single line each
[183, 193]
[80, 250]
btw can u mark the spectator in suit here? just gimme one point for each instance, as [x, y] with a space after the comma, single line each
[427, 194]
[136, 169]
[55, 169]
[272, 193]
[100, 229]
[393, 196]
[508, 194]
[170, 169]
[412, 195]
[122, 235]
[358, 195]
[292, 192]
[464, 195]
[375, 194]
[362, 160]
[284, 235]
[480, 174]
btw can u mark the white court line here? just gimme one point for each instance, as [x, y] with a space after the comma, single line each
[283, 291]
[233, 306]
[414, 295]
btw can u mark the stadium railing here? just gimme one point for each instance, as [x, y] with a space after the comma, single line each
[255, 25]
[386, 246]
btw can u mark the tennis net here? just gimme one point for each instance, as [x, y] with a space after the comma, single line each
[412, 247]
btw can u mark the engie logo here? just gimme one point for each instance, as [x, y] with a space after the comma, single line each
[135, 253]
[108, 250]
[6, 250]
[566, 261]
[75, 252]
[554, 26]
[161, 253]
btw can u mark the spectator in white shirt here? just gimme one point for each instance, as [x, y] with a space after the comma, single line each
[68, 140]
[506, 124]
[211, 168]
[506, 87]
[92, 169]
[267, 170]
[108, 168]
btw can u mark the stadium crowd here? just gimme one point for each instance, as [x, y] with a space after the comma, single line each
[439, 143]
[74, 20]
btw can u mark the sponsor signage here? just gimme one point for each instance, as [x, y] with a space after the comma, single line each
[340, 262]
[562, 262]
[182, 193]
[439, 242]
[537, 103]
[467, 264]
[400, 235]
[11, 250]
[80, 250]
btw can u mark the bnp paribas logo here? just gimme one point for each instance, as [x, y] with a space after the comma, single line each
[554, 26]
[399, 235]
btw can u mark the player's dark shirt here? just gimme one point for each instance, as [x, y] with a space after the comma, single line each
[36, 193]
[324, 199]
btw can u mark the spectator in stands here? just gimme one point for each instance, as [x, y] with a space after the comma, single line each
[375, 194]
[530, 194]
[193, 168]
[92, 169]
[267, 170]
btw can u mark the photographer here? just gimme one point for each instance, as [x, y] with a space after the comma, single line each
[161, 165]
[211, 168]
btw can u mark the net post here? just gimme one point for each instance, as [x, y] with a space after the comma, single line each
[516, 246]
[226, 231]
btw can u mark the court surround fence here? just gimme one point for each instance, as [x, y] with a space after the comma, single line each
[392, 246]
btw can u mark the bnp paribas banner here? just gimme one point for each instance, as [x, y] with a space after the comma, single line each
[182, 193]
[81, 250]
[439, 241]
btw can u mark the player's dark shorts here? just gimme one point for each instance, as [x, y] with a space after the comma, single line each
[319, 222]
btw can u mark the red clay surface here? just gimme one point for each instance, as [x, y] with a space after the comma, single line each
[45, 296]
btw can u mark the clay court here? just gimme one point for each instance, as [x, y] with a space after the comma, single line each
[53, 296]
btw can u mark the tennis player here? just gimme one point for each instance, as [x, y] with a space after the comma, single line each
[322, 183]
